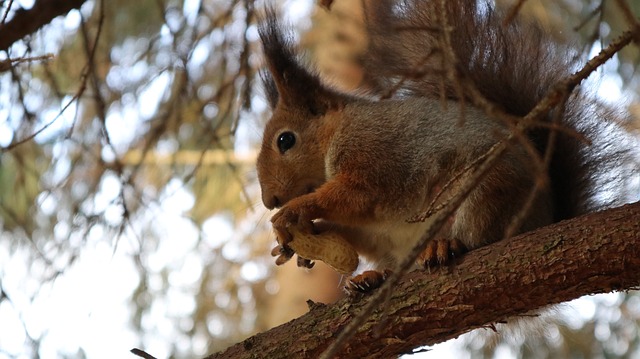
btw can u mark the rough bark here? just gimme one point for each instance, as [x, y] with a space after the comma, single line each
[596, 253]
[26, 22]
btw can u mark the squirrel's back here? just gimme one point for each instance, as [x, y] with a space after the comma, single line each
[512, 64]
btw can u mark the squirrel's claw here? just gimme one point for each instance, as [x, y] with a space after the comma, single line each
[283, 252]
[305, 263]
[441, 252]
[365, 282]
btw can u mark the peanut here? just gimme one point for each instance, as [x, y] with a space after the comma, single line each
[328, 247]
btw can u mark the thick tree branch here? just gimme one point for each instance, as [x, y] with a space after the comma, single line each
[596, 253]
[26, 22]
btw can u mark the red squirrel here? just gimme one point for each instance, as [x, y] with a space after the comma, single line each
[364, 163]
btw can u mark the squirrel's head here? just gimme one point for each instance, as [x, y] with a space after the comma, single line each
[291, 162]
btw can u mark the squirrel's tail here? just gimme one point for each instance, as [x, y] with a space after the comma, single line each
[513, 64]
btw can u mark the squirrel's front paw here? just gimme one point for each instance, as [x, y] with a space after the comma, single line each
[288, 217]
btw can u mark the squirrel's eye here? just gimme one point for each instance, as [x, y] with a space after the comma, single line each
[286, 140]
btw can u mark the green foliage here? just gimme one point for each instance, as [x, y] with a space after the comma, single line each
[142, 18]
[21, 171]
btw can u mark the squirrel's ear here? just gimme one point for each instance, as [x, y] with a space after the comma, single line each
[287, 81]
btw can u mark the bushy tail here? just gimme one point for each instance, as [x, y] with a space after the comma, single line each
[512, 64]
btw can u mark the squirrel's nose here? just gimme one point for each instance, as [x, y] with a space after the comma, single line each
[276, 202]
[271, 202]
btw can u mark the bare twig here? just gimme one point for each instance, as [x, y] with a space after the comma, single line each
[245, 68]
[415, 73]
[557, 93]
[7, 64]
[597, 11]
[142, 354]
[79, 93]
[90, 48]
[630, 18]
[14, 144]
[6, 12]
[515, 9]
[432, 208]
[541, 182]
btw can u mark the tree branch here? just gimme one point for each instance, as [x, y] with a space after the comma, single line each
[26, 22]
[596, 253]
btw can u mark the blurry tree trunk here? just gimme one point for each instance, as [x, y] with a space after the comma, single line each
[596, 253]
[337, 40]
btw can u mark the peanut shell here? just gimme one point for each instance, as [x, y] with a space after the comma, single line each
[328, 247]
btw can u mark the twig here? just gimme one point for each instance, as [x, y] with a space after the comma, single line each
[541, 180]
[142, 354]
[245, 68]
[34, 134]
[90, 69]
[6, 13]
[557, 93]
[589, 17]
[628, 14]
[414, 74]
[515, 9]
[7, 64]
[431, 209]
[79, 93]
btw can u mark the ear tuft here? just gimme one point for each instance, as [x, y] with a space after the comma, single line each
[269, 87]
[288, 81]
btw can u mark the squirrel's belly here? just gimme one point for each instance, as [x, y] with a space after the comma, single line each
[389, 243]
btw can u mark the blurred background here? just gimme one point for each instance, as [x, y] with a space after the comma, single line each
[130, 215]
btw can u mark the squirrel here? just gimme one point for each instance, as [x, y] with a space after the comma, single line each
[364, 163]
